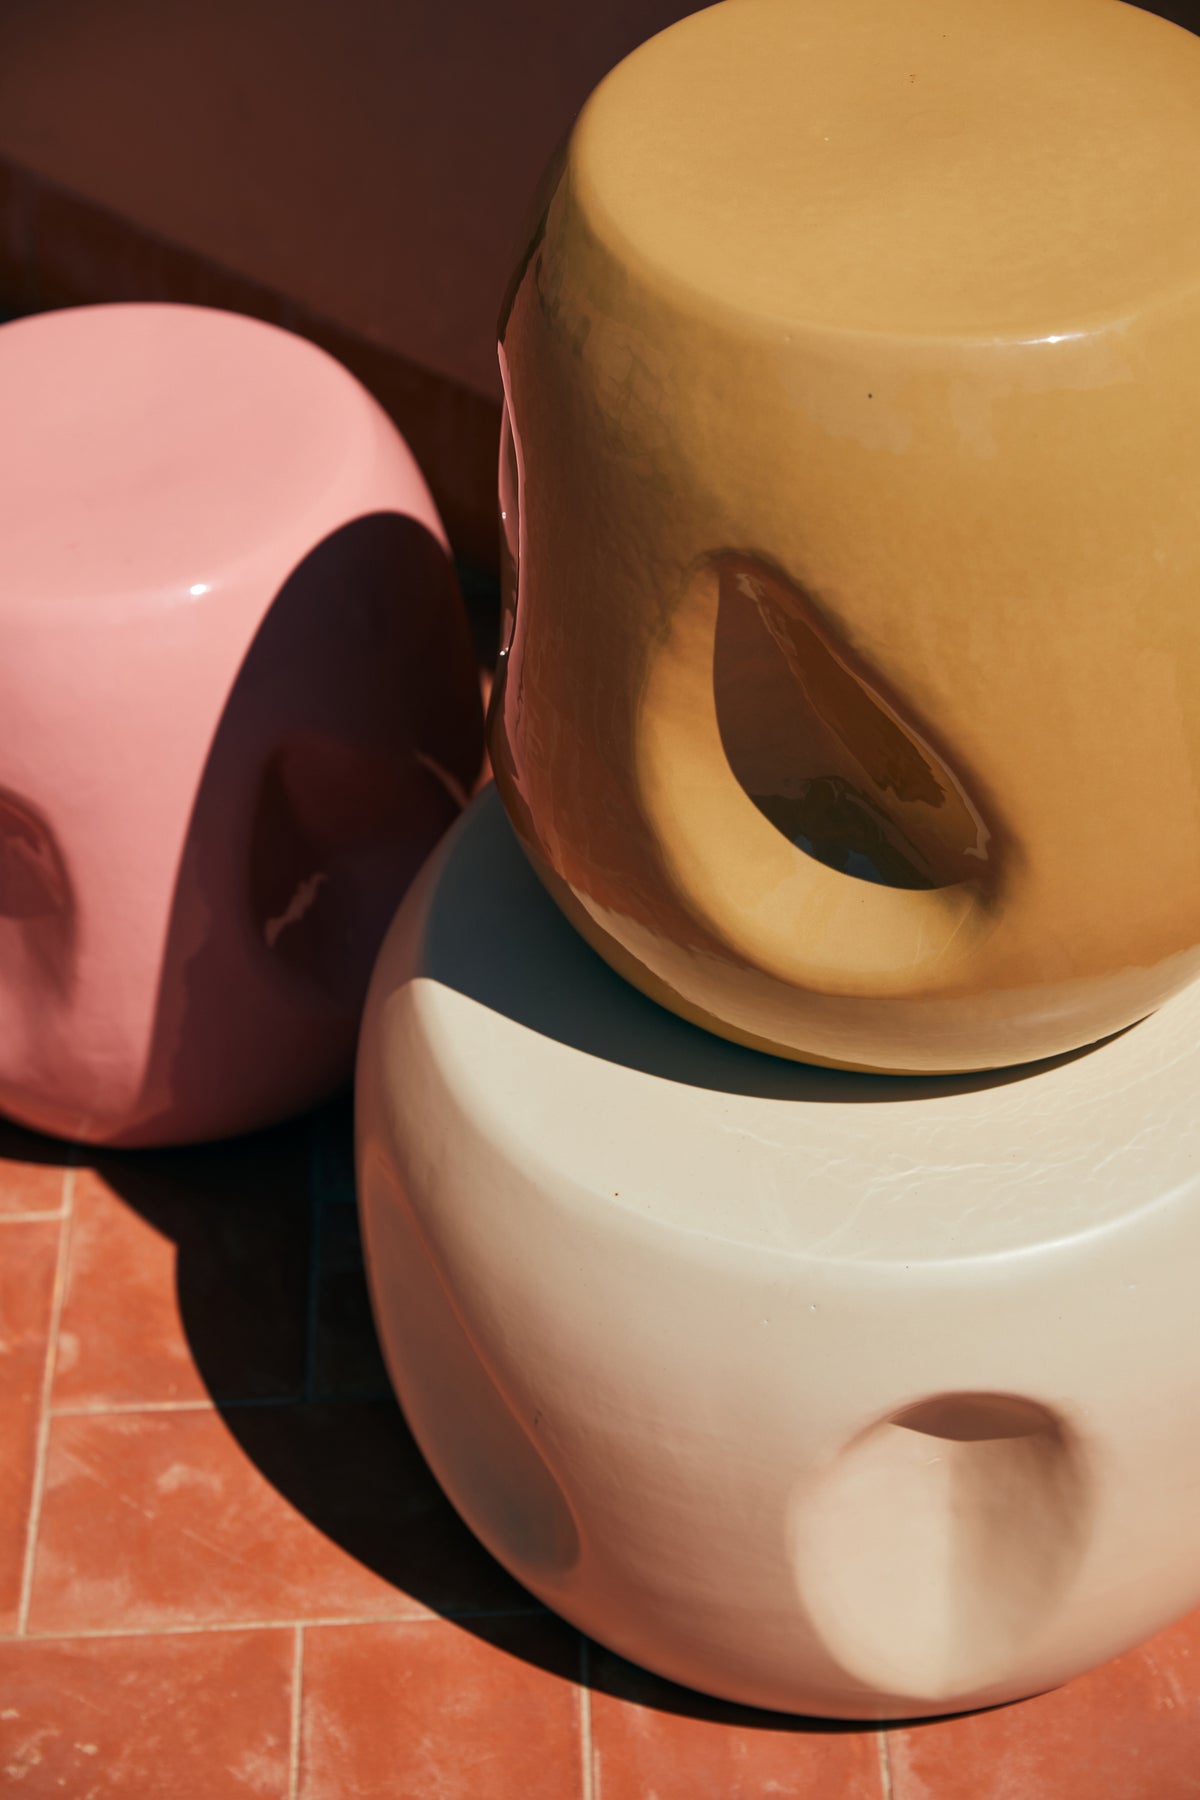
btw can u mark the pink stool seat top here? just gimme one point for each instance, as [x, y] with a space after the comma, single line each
[222, 438]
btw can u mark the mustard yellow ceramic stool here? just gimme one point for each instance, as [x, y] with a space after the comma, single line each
[826, 1391]
[852, 493]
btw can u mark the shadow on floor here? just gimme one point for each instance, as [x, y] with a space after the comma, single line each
[273, 1299]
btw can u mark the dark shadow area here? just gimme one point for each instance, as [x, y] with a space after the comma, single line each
[499, 939]
[1178, 12]
[273, 1299]
[481, 596]
[335, 766]
[30, 1150]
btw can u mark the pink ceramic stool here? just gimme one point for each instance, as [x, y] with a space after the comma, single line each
[237, 707]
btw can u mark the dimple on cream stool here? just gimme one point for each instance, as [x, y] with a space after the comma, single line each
[237, 707]
[838, 1393]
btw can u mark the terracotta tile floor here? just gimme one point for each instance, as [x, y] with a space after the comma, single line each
[225, 1570]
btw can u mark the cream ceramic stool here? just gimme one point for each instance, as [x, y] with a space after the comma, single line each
[836, 1393]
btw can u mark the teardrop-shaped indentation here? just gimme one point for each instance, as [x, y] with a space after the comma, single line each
[483, 1456]
[337, 835]
[820, 751]
[37, 904]
[941, 1541]
[510, 528]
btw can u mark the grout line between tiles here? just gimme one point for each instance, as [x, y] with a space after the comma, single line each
[297, 1714]
[219, 1625]
[885, 1763]
[31, 1218]
[44, 1414]
[587, 1765]
[103, 1409]
[100, 1409]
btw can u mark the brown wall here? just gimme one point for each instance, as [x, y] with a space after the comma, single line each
[363, 167]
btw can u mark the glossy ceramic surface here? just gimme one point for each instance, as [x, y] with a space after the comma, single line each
[849, 486]
[237, 706]
[822, 1391]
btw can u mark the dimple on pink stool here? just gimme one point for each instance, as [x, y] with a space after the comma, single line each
[237, 707]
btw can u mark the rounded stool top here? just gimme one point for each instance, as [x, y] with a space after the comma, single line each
[561, 1066]
[147, 450]
[915, 167]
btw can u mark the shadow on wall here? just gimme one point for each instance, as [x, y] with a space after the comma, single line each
[359, 171]
[373, 162]
[1179, 12]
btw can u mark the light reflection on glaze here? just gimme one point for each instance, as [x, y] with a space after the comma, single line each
[824, 758]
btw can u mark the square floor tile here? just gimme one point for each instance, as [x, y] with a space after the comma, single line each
[652, 1738]
[204, 1717]
[1128, 1731]
[354, 1473]
[486, 1714]
[28, 1257]
[277, 1512]
[188, 1276]
[32, 1171]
